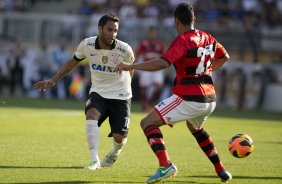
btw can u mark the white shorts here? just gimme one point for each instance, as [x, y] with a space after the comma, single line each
[149, 78]
[174, 109]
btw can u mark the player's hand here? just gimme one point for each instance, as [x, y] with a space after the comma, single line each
[44, 85]
[123, 67]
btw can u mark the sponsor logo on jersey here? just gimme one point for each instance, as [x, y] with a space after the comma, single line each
[102, 68]
[115, 57]
[105, 59]
[168, 119]
[121, 49]
[160, 104]
[91, 44]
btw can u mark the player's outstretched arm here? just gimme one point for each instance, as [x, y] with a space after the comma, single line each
[65, 69]
[44, 85]
[151, 65]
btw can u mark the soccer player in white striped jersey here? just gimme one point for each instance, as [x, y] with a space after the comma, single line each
[110, 93]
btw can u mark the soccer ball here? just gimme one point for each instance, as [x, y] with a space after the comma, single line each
[241, 145]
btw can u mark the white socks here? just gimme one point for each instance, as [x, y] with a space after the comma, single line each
[92, 135]
[118, 146]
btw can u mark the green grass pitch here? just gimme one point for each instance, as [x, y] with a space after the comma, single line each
[43, 144]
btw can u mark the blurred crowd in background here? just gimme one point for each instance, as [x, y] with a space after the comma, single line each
[265, 12]
[240, 84]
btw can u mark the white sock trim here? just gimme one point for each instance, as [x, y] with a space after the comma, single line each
[118, 146]
[92, 122]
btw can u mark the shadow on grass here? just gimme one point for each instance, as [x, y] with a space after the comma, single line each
[243, 177]
[55, 182]
[60, 182]
[77, 182]
[269, 142]
[39, 167]
[259, 177]
[179, 181]
[176, 179]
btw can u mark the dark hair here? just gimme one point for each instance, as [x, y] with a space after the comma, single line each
[184, 12]
[111, 17]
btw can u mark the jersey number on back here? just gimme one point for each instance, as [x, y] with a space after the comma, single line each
[203, 52]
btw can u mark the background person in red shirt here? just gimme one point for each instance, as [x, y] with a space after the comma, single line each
[148, 49]
[195, 55]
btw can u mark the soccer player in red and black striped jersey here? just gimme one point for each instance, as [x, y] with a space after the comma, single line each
[195, 54]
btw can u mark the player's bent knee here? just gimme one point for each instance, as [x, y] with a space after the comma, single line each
[144, 123]
[92, 113]
[192, 129]
[118, 138]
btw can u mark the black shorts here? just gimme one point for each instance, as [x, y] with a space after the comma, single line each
[118, 112]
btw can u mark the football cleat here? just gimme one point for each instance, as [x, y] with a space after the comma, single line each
[225, 176]
[109, 160]
[162, 173]
[94, 165]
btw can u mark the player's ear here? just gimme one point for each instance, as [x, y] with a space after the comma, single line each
[99, 29]
[176, 22]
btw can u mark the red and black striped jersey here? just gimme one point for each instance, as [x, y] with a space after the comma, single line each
[150, 49]
[192, 55]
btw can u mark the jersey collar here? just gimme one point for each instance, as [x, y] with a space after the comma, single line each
[192, 30]
[97, 45]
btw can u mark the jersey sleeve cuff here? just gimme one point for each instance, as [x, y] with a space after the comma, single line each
[77, 59]
[221, 56]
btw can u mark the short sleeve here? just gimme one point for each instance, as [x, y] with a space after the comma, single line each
[220, 51]
[176, 50]
[79, 54]
[129, 58]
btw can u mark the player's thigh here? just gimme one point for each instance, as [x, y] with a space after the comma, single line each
[153, 118]
[168, 111]
[204, 110]
[145, 79]
[95, 108]
[174, 109]
[119, 116]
